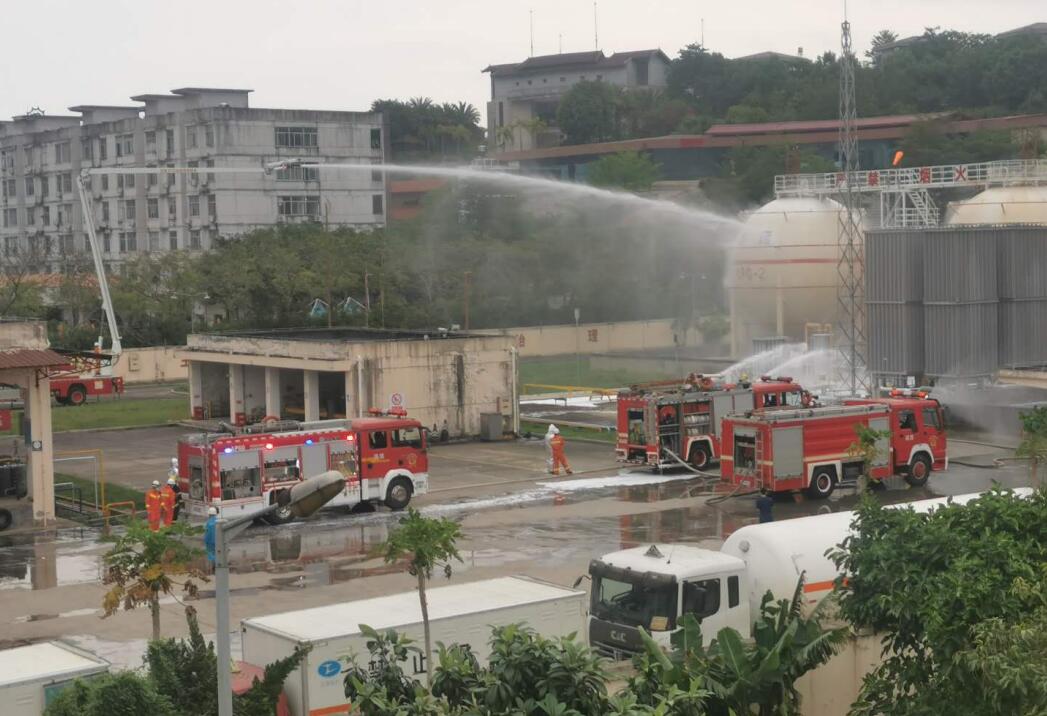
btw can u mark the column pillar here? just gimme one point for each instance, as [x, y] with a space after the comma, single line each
[272, 392]
[351, 407]
[40, 451]
[311, 395]
[237, 412]
[196, 389]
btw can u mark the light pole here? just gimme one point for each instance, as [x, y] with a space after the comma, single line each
[303, 499]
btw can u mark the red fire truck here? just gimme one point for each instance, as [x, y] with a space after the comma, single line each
[75, 389]
[659, 420]
[808, 449]
[383, 457]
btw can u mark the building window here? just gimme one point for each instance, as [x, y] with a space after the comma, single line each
[66, 243]
[47, 216]
[170, 176]
[291, 206]
[11, 217]
[105, 182]
[128, 242]
[105, 212]
[85, 148]
[150, 141]
[172, 208]
[296, 137]
[129, 181]
[103, 149]
[152, 180]
[11, 245]
[66, 182]
[377, 201]
[212, 206]
[64, 214]
[209, 135]
[106, 246]
[297, 173]
[125, 145]
[10, 188]
[376, 138]
[169, 142]
[153, 207]
[194, 178]
[194, 205]
[45, 186]
[642, 72]
[61, 152]
[501, 114]
[194, 239]
[7, 159]
[154, 240]
[172, 240]
[30, 216]
[30, 186]
[190, 137]
[27, 152]
[210, 165]
[127, 210]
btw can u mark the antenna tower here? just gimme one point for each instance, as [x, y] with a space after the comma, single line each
[851, 264]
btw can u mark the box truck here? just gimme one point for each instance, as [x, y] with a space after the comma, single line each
[32, 676]
[460, 613]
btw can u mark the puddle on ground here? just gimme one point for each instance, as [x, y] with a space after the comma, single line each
[33, 561]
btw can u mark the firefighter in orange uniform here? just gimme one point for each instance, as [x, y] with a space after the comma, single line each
[168, 499]
[556, 448]
[153, 506]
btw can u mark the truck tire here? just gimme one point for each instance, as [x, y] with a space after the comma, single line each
[823, 482]
[700, 456]
[280, 517]
[6, 519]
[919, 471]
[77, 395]
[398, 495]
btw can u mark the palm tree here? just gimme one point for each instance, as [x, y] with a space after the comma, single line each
[505, 136]
[533, 126]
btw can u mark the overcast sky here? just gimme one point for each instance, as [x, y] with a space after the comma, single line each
[342, 54]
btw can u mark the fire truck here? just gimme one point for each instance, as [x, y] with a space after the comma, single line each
[383, 457]
[657, 421]
[86, 374]
[811, 448]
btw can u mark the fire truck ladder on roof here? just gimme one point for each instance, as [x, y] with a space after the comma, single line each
[904, 192]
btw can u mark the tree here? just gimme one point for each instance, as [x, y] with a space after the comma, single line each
[626, 170]
[125, 693]
[143, 565]
[426, 544]
[1033, 446]
[879, 41]
[936, 585]
[868, 447]
[587, 112]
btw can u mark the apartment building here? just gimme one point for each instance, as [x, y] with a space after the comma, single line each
[522, 92]
[41, 156]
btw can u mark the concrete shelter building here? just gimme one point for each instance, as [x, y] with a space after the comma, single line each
[443, 379]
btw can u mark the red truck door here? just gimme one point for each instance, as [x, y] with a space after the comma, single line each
[934, 432]
[408, 449]
[374, 453]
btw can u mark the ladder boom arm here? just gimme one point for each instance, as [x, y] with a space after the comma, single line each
[96, 255]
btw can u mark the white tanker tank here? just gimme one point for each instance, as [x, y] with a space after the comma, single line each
[783, 271]
[1001, 205]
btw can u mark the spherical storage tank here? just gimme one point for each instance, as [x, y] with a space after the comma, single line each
[1001, 205]
[782, 271]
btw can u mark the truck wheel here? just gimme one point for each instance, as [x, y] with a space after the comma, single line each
[399, 494]
[700, 457]
[281, 517]
[60, 400]
[823, 482]
[6, 518]
[919, 471]
[77, 395]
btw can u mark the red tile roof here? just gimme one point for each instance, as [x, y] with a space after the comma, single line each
[28, 358]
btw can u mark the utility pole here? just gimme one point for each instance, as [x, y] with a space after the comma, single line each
[530, 14]
[367, 300]
[596, 29]
[851, 264]
[466, 286]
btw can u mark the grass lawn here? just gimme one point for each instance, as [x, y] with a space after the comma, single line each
[570, 432]
[110, 413]
[564, 371]
[113, 492]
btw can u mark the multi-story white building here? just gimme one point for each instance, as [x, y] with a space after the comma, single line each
[522, 92]
[41, 155]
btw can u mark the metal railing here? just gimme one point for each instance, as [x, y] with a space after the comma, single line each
[108, 511]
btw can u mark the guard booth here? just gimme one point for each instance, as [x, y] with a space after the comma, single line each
[26, 362]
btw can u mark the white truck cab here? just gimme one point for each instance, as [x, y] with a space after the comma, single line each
[653, 586]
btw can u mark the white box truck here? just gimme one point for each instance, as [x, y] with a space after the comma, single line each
[31, 676]
[459, 613]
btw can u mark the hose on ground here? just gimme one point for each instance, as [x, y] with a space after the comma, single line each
[709, 479]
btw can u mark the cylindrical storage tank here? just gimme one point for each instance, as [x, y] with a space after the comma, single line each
[894, 303]
[1022, 269]
[960, 299]
[1001, 205]
[783, 271]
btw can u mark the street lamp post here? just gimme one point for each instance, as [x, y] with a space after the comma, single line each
[303, 499]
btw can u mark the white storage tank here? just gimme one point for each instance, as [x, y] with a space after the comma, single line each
[782, 273]
[1001, 205]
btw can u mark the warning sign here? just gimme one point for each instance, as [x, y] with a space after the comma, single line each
[396, 400]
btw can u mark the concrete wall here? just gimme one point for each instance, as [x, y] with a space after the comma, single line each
[536, 341]
[151, 365]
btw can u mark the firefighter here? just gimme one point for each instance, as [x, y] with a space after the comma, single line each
[167, 504]
[153, 506]
[173, 496]
[555, 442]
[765, 505]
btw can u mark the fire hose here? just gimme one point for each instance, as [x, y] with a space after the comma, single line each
[709, 477]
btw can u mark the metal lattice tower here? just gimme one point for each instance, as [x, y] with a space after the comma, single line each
[851, 264]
